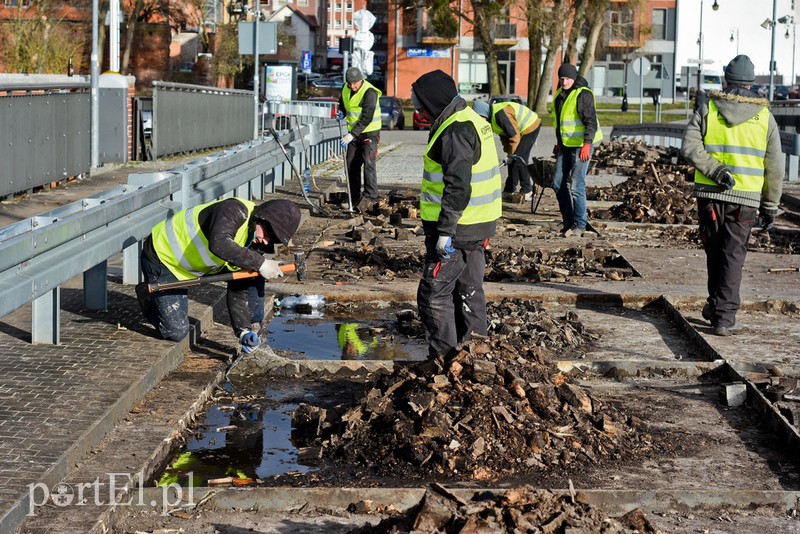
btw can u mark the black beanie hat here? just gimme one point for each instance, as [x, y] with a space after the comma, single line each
[282, 216]
[740, 70]
[567, 70]
[435, 89]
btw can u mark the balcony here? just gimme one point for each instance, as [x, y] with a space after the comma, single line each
[504, 35]
[431, 36]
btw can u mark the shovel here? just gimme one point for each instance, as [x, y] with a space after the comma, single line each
[314, 207]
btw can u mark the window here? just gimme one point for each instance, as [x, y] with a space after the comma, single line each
[337, 24]
[348, 6]
[337, 6]
[348, 23]
[621, 25]
[659, 24]
[303, 3]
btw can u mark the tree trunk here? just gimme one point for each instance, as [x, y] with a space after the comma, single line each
[598, 19]
[484, 19]
[553, 46]
[130, 32]
[571, 54]
[535, 40]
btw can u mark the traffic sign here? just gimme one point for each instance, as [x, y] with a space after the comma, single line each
[705, 61]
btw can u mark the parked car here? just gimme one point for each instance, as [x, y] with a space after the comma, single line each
[794, 92]
[506, 98]
[781, 92]
[392, 115]
[759, 89]
[420, 122]
[328, 83]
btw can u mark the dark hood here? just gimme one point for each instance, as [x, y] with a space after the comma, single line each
[282, 216]
[435, 90]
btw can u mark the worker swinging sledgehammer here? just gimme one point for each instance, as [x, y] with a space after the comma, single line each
[221, 236]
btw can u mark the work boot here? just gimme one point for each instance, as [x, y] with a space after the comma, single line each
[527, 196]
[708, 313]
[727, 330]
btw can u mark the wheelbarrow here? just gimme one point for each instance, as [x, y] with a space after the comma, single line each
[541, 170]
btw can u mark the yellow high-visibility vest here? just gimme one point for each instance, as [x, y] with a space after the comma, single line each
[183, 248]
[742, 148]
[486, 200]
[352, 104]
[571, 126]
[525, 116]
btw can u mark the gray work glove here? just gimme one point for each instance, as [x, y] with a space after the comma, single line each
[723, 176]
[249, 341]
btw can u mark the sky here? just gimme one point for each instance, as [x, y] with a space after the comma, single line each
[745, 16]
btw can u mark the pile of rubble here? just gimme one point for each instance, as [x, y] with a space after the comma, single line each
[496, 408]
[356, 262]
[658, 189]
[522, 265]
[517, 510]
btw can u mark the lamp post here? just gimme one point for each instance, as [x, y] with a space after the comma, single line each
[789, 19]
[736, 32]
[715, 7]
[772, 51]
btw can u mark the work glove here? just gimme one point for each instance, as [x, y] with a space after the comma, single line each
[585, 152]
[444, 246]
[767, 222]
[249, 341]
[340, 116]
[722, 175]
[270, 269]
[346, 138]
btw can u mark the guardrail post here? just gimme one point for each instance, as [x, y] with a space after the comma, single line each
[793, 169]
[131, 268]
[95, 287]
[45, 318]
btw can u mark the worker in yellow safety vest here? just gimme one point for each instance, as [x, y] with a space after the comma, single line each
[359, 105]
[577, 131]
[518, 127]
[220, 236]
[460, 203]
[734, 144]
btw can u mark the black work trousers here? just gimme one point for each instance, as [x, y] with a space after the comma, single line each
[518, 172]
[363, 152]
[450, 296]
[725, 230]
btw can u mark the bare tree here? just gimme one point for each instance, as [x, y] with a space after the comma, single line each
[596, 15]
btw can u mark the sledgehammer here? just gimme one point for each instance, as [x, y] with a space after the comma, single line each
[224, 277]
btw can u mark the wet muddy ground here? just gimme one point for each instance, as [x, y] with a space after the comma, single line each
[637, 372]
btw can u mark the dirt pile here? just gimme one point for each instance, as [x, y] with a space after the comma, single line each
[522, 265]
[494, 409]
[356, 262]
[658, 189]
[518, 510]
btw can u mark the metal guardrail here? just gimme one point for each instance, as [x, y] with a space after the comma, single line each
[39, 254]
[669, 134]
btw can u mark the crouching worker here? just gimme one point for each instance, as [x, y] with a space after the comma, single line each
[221, 236]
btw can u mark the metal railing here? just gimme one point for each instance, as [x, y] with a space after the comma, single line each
[670, 134]
[39, 254]
[45, 136]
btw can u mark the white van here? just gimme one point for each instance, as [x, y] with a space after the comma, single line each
[712, 80]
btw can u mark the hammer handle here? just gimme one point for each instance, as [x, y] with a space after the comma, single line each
[224, 277]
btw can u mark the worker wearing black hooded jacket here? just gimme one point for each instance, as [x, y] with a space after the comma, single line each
[217, 237]
[460, 202]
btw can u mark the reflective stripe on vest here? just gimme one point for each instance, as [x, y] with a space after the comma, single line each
[525, 116]
[486, 200]
[352, 103]
[183, 248]
[571, 126]
[742, 148]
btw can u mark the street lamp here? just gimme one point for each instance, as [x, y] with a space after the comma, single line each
[715, 7]
[789, 19]
[735, 31]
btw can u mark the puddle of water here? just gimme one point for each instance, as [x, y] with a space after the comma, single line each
[318, 337]
[246, 441]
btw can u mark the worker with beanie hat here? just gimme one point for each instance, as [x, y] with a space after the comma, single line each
[518, 127]
[359, 105]
[577, 130]
[734, 144]
[460, 202]
[217, 237]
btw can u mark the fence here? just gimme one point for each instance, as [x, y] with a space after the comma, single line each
[39, 254]
[672, 135]
[46, 134]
